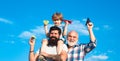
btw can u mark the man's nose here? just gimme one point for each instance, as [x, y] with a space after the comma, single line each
[53, 34]
[71, 38]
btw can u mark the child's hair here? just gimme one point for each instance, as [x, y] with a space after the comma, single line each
[57, 16]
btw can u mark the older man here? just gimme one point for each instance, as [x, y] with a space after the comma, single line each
[76, 52]
[50, 53]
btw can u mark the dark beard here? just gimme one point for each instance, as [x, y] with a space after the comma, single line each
[52, 41]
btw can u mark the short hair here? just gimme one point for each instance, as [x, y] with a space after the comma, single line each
[57, 15]
[55, 28]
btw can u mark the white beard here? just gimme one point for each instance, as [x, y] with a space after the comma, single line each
[72, 43]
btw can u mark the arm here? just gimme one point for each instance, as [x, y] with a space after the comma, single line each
[44, 45]
[51, 56]
[92, 37]
[63, 54]
[46, 29]
[92, 44]
[32, 56]
[59, 46]
[65, 28]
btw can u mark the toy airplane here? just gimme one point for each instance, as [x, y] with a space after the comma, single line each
[67, 20]
[88, 21]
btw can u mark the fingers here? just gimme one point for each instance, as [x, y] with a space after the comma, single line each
[90, 24]
[67, 22]
[32, 40]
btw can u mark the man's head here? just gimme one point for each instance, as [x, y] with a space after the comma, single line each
[72, 38]
[57, 18]
[54, 35]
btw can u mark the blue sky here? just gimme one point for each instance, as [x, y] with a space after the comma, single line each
[19, 19]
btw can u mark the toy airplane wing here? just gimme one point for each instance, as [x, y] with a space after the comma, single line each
[88, 21]
[68, 21]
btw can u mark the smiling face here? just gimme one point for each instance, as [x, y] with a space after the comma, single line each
[54, 34]
[72, 38]
[57, 22]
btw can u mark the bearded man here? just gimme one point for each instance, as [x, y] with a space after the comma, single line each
[49, 53]
[77, 52]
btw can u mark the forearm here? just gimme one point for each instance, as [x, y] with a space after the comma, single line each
[54, 57]
[59, 46]
[51, 56]
[46, 30]
[31, 54]
[65, 30]
[92, 37]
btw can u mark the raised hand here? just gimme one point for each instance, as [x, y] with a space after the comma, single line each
[45, 22]
[32, 41]
[90, 25]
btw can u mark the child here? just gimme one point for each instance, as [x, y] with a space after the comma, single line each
[57, 19]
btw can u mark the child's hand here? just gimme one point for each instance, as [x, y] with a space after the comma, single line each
[67, 21]
[46, 22]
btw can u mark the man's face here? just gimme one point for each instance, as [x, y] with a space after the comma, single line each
[53, 38]
[72, 38]
[54, 33]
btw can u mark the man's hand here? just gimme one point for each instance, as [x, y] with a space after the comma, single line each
[90, 25]
[32, 41]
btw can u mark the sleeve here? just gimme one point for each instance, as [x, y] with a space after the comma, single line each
[90, 46]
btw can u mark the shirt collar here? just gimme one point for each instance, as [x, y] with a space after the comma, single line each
[76, 45]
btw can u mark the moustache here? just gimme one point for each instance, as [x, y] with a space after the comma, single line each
[53, 37]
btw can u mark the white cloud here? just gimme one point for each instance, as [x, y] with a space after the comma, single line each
[25, 34]
[10, 42]
[5, 21]
[101, 57]
[39, 30]
[79, 27]
[96, 28]
[110, 51]
[107, 27]
[84, 19]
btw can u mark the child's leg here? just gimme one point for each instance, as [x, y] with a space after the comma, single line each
[44, 45]
[63, 55]
[59, 46]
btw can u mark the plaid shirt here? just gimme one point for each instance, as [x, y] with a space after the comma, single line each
[78, 52]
